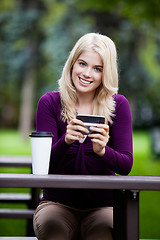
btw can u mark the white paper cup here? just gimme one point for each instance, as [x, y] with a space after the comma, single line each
[40, 152]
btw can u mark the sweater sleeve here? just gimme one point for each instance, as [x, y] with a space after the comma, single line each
[47, 121]
[119, 154]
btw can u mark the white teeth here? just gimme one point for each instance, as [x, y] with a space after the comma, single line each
[84, 81]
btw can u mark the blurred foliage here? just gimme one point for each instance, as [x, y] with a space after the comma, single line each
[55, 26]
[136, 11]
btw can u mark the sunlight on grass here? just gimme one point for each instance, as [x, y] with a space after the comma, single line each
[149, 213]
[13, 144]
[143, 161]
[12, 227]
[146, 164]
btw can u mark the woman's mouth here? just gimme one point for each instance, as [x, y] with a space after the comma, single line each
[84, 81]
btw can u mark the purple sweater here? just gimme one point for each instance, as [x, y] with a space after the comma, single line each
[79, 158]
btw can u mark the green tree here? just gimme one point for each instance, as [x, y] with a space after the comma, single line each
[132, 24]
[19, 44]
[37, 36]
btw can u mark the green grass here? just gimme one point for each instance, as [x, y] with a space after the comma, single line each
[146, 164]
[11, 143]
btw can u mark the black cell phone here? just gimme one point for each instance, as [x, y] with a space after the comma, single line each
[91, 120]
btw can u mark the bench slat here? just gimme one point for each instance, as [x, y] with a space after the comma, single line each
[34, 238]
[15, 161]
[15, 197]
[16, 213]
[18, 238]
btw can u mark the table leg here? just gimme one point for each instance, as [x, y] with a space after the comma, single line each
[126, 215]
[119, 215]
[132, 215]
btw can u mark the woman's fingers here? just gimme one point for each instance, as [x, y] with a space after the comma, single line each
[100, 131]
[77, 125]
[75, 131]
[100, 137]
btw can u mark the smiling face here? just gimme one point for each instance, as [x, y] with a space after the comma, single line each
[87, 72]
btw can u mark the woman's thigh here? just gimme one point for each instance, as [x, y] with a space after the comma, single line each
[53, 221]
[98, 224]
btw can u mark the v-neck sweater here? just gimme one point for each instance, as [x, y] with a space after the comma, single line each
[79, 158]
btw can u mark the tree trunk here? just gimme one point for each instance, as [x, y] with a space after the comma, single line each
[28, 84]
[27, 94]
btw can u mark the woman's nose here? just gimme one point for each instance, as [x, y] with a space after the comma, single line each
[87, 72]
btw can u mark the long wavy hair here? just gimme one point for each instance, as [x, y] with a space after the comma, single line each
[104, 103]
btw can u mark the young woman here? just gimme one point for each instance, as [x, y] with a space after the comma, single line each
[88, 85]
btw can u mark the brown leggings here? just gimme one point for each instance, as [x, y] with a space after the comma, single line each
[54, 221]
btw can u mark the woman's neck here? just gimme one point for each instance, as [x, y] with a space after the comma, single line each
[84, 105]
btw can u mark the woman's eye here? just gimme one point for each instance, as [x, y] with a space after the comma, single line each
[82, 64]
[98, 69]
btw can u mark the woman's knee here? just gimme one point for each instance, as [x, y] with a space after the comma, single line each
[53, 221]
[98, 224]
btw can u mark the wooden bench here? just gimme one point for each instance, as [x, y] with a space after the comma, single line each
[31, 199]
[18, 238]
[126, 194]
[34, 238]
[15, 161]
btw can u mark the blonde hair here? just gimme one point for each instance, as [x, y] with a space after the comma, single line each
[104, 103]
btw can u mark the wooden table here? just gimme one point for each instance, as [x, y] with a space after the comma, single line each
[126, 194]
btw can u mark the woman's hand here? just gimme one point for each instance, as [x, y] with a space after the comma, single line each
[99, 137]
[74, 131]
